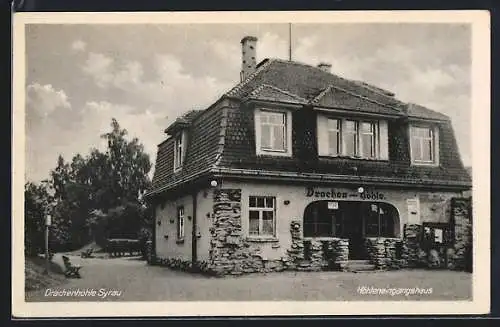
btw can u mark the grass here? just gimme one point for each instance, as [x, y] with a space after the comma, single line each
[35, 278]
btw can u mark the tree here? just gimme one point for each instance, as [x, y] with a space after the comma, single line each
[125, 182]
[93, 197]
[37, 201]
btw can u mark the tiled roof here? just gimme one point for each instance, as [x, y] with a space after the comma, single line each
[418, 111]
[308, 82]
[223, 137]
[183, 121]
[271, 93]
[336, 97]
[239, 152]
[201, 153]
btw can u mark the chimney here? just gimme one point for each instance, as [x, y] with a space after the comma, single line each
[248, 61]
[326, 67]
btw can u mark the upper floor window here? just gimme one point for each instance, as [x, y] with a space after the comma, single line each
[368, 140]
[352, 138]
[179, 150]
[273, 132]
[423, 145]
[334, 136]
[262, 216]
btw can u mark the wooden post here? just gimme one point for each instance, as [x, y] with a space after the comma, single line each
[47, 261]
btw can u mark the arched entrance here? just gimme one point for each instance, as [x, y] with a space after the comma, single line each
[353, 220]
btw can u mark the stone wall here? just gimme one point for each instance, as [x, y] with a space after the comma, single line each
[226, 247]
[462, 220]
[387, 253]
[457, 255]
[314, 254]
[416, 256]
[231, 253]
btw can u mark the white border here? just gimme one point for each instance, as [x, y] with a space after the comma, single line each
[480, 22]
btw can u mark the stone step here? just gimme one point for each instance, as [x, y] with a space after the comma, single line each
[360, 265]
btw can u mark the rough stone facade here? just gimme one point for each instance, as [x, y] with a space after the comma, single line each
[457, 255]
[416, 256]
[462, 220]
[231, 253]
[387, 253]
[315, 255]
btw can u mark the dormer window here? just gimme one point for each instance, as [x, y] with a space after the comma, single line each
[179, 150]
[424, 145]
[360, 139]
[273, 132]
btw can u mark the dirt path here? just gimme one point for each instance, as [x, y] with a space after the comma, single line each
[134, 280]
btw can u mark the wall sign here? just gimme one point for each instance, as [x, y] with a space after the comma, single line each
[332, 205]
[413, 210]
[336, 194]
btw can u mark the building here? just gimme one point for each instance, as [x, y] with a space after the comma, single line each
[297, 168]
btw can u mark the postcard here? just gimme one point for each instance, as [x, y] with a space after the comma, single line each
[251, 163]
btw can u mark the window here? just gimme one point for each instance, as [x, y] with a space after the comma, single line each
[422, 143]
[179, 151]
[320, 220]
[352, 138]
[180, 223]
[333, 127]
[379, 221]
[273, 132]
[367, 148]
[262, 213]
[349, 219]
[360, 139]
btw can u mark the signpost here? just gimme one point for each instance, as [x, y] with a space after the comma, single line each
[47, 260]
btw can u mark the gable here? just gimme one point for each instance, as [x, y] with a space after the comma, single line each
[336, 97]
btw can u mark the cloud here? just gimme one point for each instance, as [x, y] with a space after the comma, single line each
[97, 116]
[44, 106]
[78, 45]
[42, 100]
[169, 92]
[175, 71]
[98, 66]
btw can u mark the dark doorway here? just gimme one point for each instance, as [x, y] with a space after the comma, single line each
[352, 220]
[354, 230]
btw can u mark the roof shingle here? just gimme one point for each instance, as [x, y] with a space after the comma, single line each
[224, 137]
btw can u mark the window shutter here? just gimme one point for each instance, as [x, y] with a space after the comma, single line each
[322, 132]
[435, 132]
[383, 140]
[257, 131]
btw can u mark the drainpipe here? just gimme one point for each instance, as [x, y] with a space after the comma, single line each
[194, 238]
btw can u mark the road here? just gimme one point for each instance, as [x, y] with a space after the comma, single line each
[133, 280]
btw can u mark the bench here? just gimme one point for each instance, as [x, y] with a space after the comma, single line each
[87, 253]
[71, 269]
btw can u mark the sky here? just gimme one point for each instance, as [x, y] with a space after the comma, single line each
[80, 76]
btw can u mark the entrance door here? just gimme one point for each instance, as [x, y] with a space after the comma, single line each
[354, 230]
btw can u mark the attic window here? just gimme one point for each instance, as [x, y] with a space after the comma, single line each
[179, 150]
[273, 132]
[423, 145]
